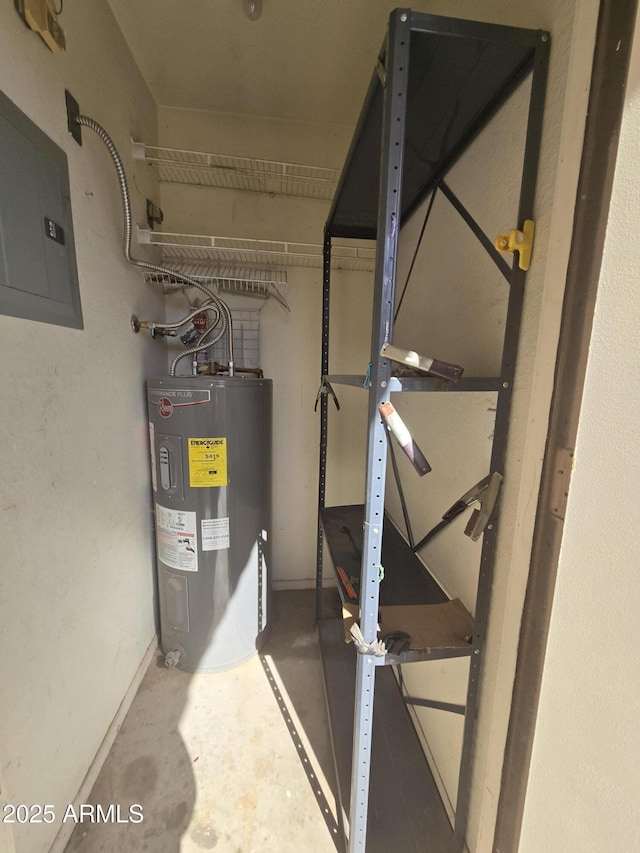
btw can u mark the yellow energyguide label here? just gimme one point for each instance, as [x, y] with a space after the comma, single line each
[207, 462]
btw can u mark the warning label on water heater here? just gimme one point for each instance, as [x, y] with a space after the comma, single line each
[207, 462]
[176, 535]
[215, 533]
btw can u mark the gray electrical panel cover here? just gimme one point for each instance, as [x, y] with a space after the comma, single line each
[38, 276]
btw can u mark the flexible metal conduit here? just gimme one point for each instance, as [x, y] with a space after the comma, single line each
[186, 319]
[203, 343]
[221, 306]
[205, 339]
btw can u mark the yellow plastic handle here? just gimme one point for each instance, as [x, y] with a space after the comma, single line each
[518, 241]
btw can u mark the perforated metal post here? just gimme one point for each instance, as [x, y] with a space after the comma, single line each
[396, 66]
[507, 372]
[324, 370]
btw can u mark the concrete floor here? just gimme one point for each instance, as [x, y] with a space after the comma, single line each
[239, 762]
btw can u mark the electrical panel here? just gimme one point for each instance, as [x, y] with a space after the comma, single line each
[38, 275]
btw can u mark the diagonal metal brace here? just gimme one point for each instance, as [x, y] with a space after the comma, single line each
[433, 703]
[325, 388]
[492, 248]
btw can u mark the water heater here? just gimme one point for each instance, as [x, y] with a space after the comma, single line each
[210, 440]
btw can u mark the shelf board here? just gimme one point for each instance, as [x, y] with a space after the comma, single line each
[410, 598]
[422, 383]
[406, 579]
[405, 809]
[461, 72]
[225, 171]
[269, 254]
[437, 631]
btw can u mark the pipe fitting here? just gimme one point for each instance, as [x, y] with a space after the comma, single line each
[172, 658]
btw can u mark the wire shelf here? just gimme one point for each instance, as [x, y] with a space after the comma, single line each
[260, 253]
[203, 169]
[267, 284]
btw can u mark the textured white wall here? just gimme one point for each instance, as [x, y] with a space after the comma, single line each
[584, 776]
[76, 597]
[290, 343]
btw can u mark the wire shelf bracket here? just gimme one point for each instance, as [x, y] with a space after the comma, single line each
[267, 284]
[267, 254]
[226, 171]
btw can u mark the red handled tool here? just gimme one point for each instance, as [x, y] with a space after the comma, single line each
[346, 583]
[399, 431]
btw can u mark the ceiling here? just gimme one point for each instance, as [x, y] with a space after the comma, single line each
[302, 59]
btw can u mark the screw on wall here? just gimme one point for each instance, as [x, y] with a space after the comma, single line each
[155, 216]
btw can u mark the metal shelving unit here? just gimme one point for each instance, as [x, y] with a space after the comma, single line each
[438, 83]
[225, 171]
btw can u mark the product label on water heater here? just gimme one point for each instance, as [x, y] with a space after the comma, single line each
[215, 533]
[176, 536]
[169, 399]
[207, 462]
